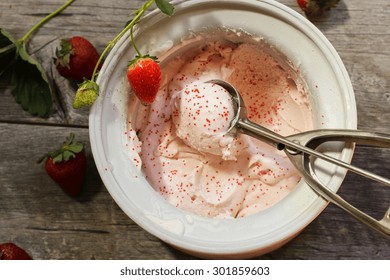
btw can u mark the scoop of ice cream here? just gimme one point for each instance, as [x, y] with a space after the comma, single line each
[202, 113]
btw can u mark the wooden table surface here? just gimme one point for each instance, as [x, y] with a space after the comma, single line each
[37, 215]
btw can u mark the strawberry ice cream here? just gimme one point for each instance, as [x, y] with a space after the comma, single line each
[202, 113]
[183, 150]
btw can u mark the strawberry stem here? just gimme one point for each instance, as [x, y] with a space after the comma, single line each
[44, 20]
[138, 14]
[139, 54]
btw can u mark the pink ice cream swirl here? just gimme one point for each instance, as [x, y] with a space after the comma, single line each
[183, 149]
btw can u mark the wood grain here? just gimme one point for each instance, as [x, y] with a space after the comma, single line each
[34, 212]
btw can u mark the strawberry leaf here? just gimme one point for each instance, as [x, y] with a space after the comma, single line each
[7, 55]
[76, 147]
[165, 7]
[64, 53]
[68, 150]
[68, 155]
[58, 158]
[29, 83]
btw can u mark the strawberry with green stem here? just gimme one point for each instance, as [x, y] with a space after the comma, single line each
[29, 82]
[76, 58]
[67, 166]
[88, 91]
[314, 8]
[144, 75]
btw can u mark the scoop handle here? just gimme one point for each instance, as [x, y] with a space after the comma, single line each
[313, 138]
[303, 163]
[301, 143]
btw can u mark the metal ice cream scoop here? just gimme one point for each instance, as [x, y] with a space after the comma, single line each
[301, 148]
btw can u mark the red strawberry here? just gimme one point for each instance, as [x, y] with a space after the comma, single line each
[144, 76]
[76, 59]
[314, 8]
[9, 251]
[67, 166]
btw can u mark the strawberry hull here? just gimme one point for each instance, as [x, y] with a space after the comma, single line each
[76, 58]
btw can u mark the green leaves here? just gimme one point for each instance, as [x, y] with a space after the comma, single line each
[29, 83]
[64, 53]
[7, 53]
[165, 7]
[67, 151]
